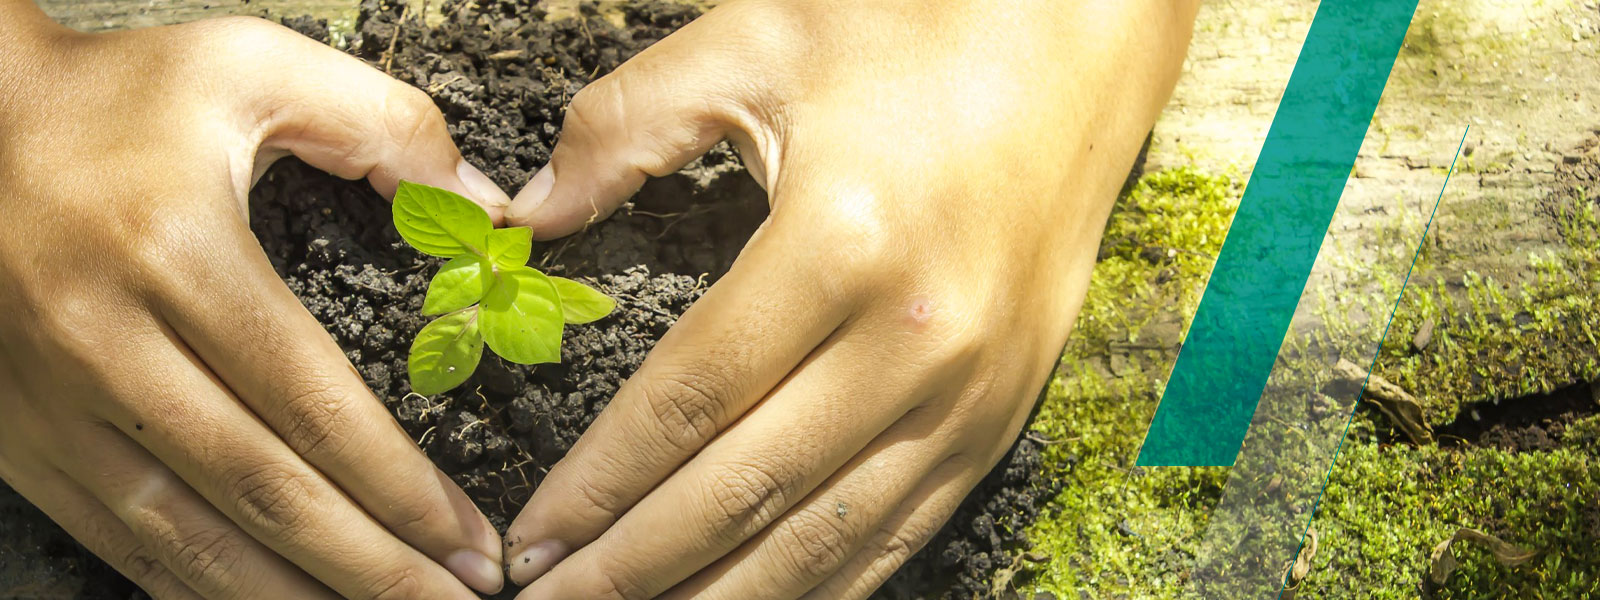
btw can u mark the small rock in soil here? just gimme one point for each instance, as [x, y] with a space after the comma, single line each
[1424, 335]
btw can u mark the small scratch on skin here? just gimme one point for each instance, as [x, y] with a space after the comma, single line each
[920, 311]
[841, 509]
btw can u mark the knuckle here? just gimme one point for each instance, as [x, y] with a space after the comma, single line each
[76, 325]
[898, 546]
[896, 543]
[589, 106]
[588, 491]
[855, 224]
[688, 408]
[812, 546]
[403, 583]
[318, 423]
[596, 120]
[891, 550]
[137, 564]
[412, 117]
[209, 557]
[746, 497]
[601, 502]
[412, 512]
[273, 500]
[954, 337]
[165, 240]
[616, 581]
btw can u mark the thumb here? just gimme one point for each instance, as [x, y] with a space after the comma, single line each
[342, 116]
[654, 114]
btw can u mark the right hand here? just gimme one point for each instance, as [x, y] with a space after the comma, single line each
[165, 398]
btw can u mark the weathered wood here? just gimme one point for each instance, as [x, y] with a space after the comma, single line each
[1525, 75]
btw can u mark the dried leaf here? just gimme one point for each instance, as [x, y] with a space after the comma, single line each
[1443, 561]
[1401, 408]
[1301, 567]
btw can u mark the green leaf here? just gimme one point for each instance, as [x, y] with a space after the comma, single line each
[581, 303]
[440, 222]
[462, 282]
[445, 353]
[522, 317]
[511, 247]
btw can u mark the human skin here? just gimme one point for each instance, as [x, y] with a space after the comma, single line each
[803, 429]
[939, 175]
[165, 398]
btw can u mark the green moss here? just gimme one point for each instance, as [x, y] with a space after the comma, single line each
[1492, 341]
[1387, 507]
[1117, 530]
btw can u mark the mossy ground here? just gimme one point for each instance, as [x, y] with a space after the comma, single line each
[1388, 506]
[1492, 341]
[1118, 531]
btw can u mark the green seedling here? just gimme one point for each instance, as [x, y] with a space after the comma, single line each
[485, 294]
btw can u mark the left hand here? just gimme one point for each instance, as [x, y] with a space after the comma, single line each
[939, 175]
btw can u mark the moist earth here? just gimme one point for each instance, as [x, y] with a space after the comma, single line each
[502, 74]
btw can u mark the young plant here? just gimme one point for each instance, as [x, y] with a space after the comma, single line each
[485, 294]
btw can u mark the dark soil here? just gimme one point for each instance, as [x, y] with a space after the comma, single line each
[1540, 421]
[333, 244]
[1536, 422]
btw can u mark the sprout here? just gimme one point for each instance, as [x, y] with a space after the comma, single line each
[485, 294]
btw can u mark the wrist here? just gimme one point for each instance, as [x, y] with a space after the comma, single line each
[21, 22]
[30, 38]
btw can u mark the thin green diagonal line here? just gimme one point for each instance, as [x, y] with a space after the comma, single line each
[1374, 364]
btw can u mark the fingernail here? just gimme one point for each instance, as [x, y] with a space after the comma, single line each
[536, 560]
[533, 195]
[476, 570]
[482, 188]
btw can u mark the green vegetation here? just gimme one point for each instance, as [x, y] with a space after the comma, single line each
[1557, 314]
[1387, 507]
[1542, 334]
[1117, 530]
[486, 293]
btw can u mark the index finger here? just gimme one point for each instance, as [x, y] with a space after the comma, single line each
[774, 306]
[280, 362]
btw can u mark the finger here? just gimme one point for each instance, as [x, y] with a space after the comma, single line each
[814, 539]
[804, 431]
[196, 543]
[279, 361]
[734, 345]
[191, 422]
[902, 534]
[89, 522]
[343, 116]
[648, 118]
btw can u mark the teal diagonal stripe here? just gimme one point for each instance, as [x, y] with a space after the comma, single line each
[1275, 236]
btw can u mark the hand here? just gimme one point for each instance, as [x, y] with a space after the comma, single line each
[166, 399]
[939, 174]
